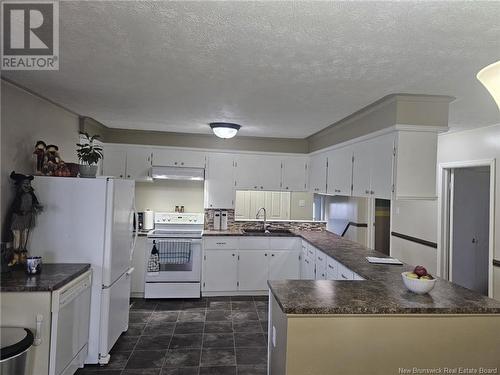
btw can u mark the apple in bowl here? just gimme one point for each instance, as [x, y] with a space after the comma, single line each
[419, 281]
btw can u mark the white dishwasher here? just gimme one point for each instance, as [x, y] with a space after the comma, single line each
[69, 333]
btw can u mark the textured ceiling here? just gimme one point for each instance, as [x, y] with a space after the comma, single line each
[281, 69]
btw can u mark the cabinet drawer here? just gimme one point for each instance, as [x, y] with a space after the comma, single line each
[332, 267]
[253, 243]
[345, 273]
[289, 243]
[216, 243]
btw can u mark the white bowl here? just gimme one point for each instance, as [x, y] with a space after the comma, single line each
[418, 286]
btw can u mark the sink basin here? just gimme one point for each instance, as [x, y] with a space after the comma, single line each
[271, 231]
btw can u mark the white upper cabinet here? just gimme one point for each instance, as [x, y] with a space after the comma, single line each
[178, 158]
[361, 169]
[382, 166]
[114, 161]
[258, 172]
[372, 167]
[340, 171]
[317, 173]
[138, 162]
[295, 174]
[415, 165]
[219, 182]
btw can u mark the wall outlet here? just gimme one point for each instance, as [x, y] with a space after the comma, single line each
[302, 203]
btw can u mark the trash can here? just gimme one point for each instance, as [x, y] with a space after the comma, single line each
[15, 343]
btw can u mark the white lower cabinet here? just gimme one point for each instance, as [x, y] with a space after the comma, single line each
[249, 264]
[253, 269]
[284, 265]
[220, 270]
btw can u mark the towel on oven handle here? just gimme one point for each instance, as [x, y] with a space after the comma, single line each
[174, 252]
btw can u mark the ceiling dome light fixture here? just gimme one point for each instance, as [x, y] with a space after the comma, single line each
[490, 77]
[224, 129]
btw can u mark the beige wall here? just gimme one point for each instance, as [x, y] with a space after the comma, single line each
[26, 118]
[165, 195]
[419, 218]
[339, 211]
[401, 109]
[301, 213]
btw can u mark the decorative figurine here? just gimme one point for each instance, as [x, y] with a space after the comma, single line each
[21, 216]
[40, 155]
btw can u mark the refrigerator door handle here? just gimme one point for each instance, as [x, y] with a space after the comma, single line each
[136, 230]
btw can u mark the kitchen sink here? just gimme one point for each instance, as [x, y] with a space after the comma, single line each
[282, 232]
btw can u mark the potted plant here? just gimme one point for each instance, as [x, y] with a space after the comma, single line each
[89, 155]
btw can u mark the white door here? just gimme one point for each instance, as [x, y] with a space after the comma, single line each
[119, 229]
[242, 205]
[277, 205]
[257, 201]
[270, 172]
[114, 161]
[138, 162]
[361, 169]
[253, 268]
[295, 174]
[284, 265]
[382, 166]
[317, 173]
[340, 171]
[178, 158]
[219, 182]
[247, 172]
[220, 270]
[115, 301]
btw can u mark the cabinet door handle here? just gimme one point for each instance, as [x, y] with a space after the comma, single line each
[262, 187]
[372, 192]
[182, 163]
[286, 188]
[121, 176]
[128, 176]
[272, 255]
[265, 254]
[319, 258]
[330, 266]
[234, 255]
[175, 163]
[306, 261]
[344, 276]
[367, 191]
[255, 187]
[220, 243]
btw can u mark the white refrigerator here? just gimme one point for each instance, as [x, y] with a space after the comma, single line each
[91, 221]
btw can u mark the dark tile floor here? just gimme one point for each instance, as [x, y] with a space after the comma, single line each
[209, 336]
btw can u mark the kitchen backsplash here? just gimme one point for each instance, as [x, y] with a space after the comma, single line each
[238, 225]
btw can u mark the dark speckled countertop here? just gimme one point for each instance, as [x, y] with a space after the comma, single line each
[52, 277]
[383, 291]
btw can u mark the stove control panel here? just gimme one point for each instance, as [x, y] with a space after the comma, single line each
[178, 218]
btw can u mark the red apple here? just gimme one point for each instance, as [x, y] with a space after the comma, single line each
[420, 271]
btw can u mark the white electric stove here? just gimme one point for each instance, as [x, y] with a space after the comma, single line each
[173, 256]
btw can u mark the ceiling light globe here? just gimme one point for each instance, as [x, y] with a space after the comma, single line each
[225, 130]
[489, 76]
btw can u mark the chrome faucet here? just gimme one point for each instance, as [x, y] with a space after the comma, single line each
[265, 226]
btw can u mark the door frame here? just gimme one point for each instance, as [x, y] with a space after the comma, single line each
[445, 194]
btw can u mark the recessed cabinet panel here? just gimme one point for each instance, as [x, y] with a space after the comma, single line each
[219, 182]
[220, 270]
[178, 158]
[138, 162]
[253, 269]
[295, 174]
[340, 171]
[247, 174]
[317, 173]
[114, 161]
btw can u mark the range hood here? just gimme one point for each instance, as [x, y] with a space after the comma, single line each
[177, 173]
